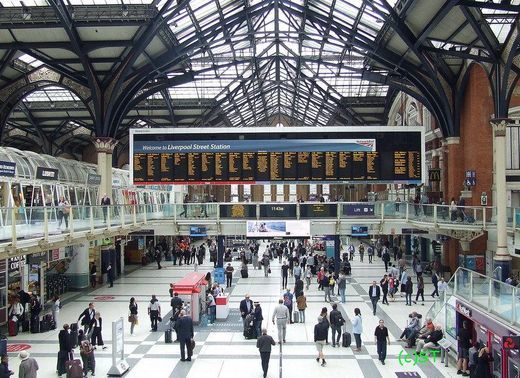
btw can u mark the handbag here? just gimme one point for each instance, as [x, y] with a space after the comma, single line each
[269, 270]
[192, 344]
[131, 318]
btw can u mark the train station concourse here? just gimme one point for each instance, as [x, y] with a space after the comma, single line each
[260, 188]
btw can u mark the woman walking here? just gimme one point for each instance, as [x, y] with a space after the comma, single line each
[420, 290]
[97, 338]
[132, 318]
[301, 304]
[357, 328]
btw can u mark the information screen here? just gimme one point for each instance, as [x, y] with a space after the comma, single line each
[296, 154]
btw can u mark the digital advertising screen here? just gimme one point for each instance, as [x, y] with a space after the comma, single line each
[372, 154]
[277, 228]
[359, 230]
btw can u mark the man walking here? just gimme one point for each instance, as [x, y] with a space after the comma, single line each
[336, 322]
[184, 326]
[374, 292]
[381, 337]
[342, 286]
[321, 330]
[435, 282]
[297, 272]
[229, 274]
[246, 307]
[87, 317]
[370, 253]
[281, 314]
[285, 274]
[110, 275]
[264, 343]
[154, 311]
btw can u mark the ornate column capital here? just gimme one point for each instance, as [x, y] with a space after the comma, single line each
[451, 140]
[105, 144]
[499, 126]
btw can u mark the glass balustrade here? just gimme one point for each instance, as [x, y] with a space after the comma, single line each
[35, 222]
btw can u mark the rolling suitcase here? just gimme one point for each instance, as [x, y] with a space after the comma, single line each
[296, 317]
[35, 325]
[13, 328]
[346, 339]
[25, 326]
[244, 273]
[168, 336]
[249, 333]
[74, 369]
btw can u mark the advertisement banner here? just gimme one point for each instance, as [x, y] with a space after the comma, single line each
[290, 228]
[358, 209]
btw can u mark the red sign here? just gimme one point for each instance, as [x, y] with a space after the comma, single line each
[104, 298]
[12, 348]
[511, 342]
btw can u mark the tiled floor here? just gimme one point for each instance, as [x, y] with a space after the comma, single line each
[222, 351]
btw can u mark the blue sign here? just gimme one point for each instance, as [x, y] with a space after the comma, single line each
[358, 209]
[7, 168]
[471, 178]
[218, 276]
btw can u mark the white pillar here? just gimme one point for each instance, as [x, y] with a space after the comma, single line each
[104, 147]
[502, 257]
[78, 271]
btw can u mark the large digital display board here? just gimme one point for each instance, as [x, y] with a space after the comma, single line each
[262, 155]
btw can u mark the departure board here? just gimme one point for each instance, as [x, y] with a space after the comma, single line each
[264, 155]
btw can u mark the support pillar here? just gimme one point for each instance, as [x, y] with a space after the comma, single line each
[454, 172]
[78, 272]
[502, 257]
[104, 147]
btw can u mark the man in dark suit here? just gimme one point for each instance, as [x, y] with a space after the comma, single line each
[184, 327]
[264, 344]
[87, 317]
[374, 292]
[246, 307]
[176, 304]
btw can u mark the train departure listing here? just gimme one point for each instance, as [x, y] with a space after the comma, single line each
[387, 157]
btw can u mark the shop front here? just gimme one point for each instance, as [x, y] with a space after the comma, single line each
[486, 330]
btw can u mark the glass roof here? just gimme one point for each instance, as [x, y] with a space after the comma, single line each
[499, 20]
[276, 60]
[54, 94]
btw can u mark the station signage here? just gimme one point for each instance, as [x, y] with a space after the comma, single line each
[237, 211]
[413, 231]
[318, 210]
[358, 209]
[464, 310]
[7, 168]
[44, 173]
[93, 179]
[278, 211]
[15, 263]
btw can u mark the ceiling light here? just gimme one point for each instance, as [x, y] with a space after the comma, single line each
[124, 10]
[72, 13]
[26, 13]
[52, 104]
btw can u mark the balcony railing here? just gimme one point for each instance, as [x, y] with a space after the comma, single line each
[18, 223]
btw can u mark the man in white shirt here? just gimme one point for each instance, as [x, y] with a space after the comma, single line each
[281, 314]
[442, 288]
